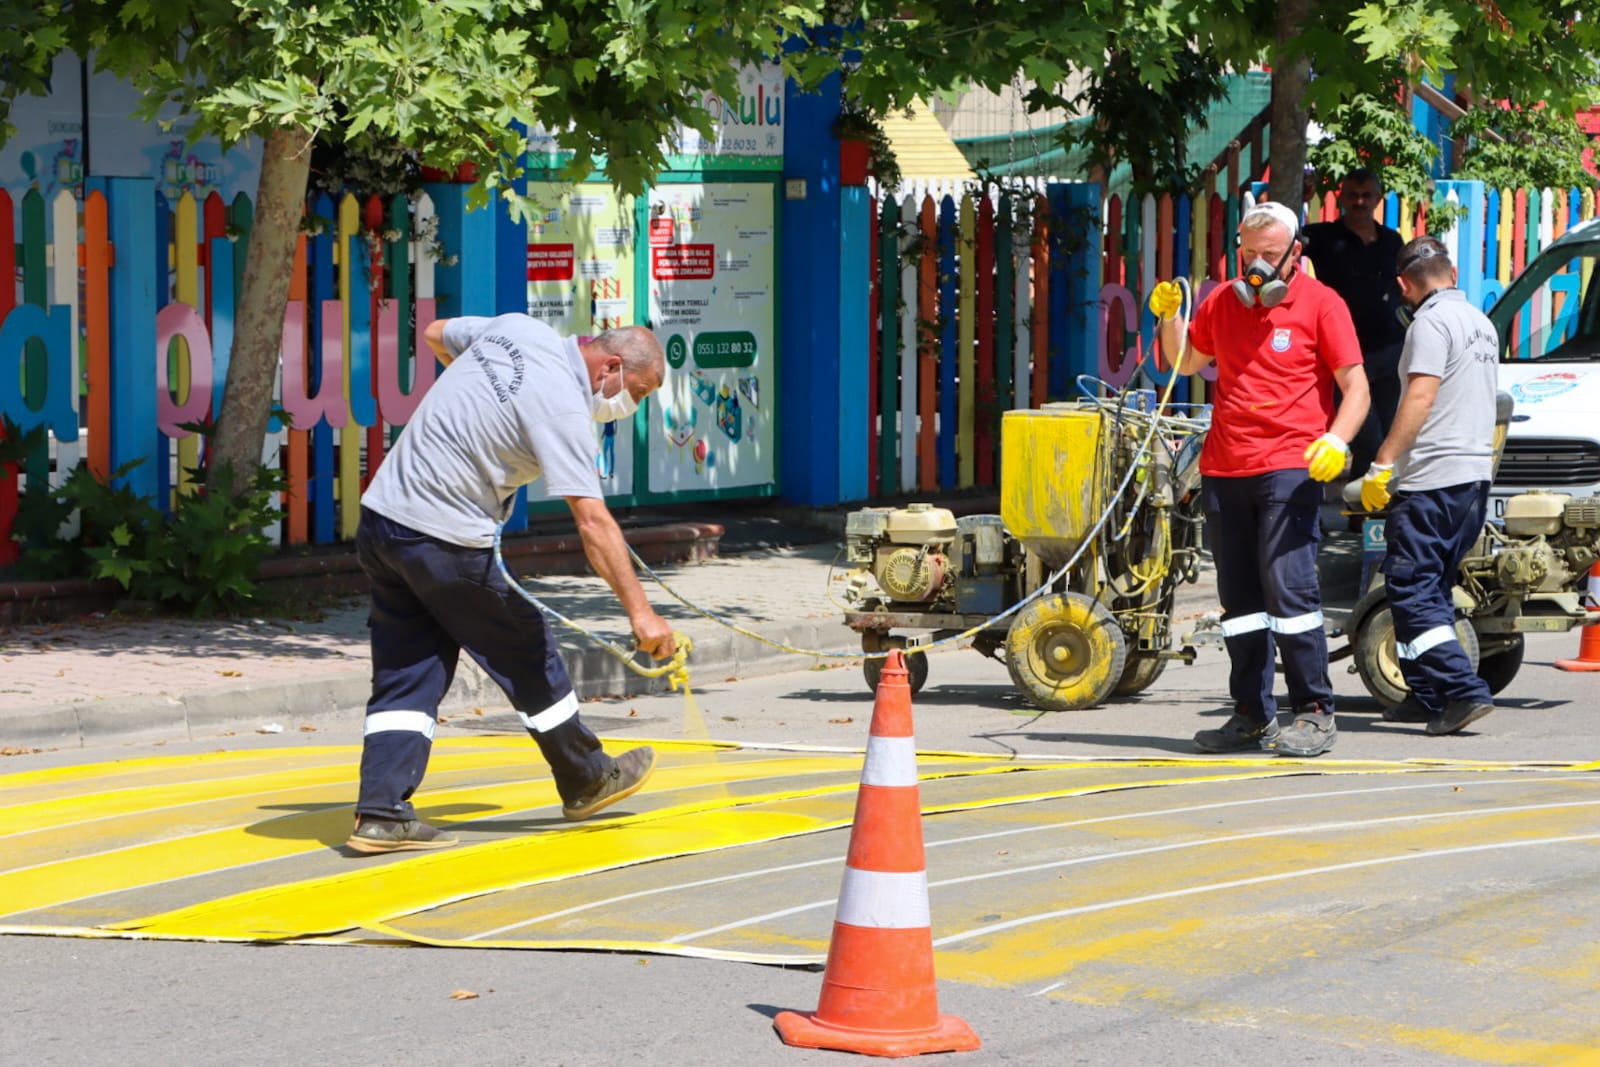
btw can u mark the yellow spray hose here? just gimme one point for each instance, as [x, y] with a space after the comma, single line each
[676, 669]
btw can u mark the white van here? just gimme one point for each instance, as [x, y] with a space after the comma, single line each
[1549, 325]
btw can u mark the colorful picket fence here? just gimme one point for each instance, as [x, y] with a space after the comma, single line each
[970, 290]
[157, 334]
[981, 301]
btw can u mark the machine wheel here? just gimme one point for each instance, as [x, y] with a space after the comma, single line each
[1379, 664]
[916, 662]
[1138, 675]
[1500, 666]
[1065, 652]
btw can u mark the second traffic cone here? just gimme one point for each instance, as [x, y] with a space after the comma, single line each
[1589, 644]
[878, 994]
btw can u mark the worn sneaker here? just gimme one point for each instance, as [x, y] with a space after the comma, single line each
[1239, 734]
[1408, 710]
[374, 834]
[628, 773]
[1457, 714]
[1312, 733]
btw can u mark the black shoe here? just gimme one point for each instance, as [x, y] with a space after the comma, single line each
[1458, 714]
[1239, 734]
[1312, 733]
[627, 774]
[1408, 710]
[374, 834]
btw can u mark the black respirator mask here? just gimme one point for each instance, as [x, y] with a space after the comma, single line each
[1263, 281]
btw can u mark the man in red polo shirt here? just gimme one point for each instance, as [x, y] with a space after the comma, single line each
[1281, 340]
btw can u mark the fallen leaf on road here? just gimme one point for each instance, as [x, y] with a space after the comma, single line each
[842, 721]
[731, 678]
[231, 674]
[730, 718]
[307, 728]
[20, 751]
[633, 713]
[477, 711]
[463, 994]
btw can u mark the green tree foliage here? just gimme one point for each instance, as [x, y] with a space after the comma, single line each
[1540, 147]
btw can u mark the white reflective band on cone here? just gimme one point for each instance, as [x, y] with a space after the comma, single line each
[884, 901]
[553, 716]
[1246, 624]
[890, 761]
[1299, 624]
[1425, 640]
[417, 722]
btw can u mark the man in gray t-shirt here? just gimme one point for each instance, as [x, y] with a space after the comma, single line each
[1437, 462]
[515, 402]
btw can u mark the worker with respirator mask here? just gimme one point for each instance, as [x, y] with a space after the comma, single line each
[1281, 341]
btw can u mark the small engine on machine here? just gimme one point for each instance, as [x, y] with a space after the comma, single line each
[924, 559]
[1546, 544]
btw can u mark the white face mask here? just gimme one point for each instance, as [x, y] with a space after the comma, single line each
[611, 408]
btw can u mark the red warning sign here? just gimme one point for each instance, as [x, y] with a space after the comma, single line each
[686, 262]
[550, 263]
[660, 232]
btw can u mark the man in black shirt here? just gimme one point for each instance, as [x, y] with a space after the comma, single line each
[1355, 256]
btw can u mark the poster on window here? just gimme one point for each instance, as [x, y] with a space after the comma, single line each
[580, 281]
[711, 275]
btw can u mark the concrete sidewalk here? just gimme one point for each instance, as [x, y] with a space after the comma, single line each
[108, 679]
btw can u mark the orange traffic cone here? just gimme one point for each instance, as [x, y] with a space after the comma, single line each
[1589, 644]
[878, 994]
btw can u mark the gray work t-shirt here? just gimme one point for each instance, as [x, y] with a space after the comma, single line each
[514, 404]
[1455, 342]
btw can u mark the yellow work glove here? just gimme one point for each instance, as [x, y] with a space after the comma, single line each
[1326, 457]
[1375, 486]
[1165, 300]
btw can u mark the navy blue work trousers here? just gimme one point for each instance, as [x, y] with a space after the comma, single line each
[430, 600]
[1264, 534]
[1427, 534]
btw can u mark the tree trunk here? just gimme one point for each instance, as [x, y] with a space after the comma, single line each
[1287, 140]
[263, 294]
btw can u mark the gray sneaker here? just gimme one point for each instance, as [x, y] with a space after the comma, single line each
[1458, 714]
[374, 834]
[627, 774]
[1239, 734]
[1312, 733]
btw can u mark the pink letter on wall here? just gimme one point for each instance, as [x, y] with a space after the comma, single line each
[172, 322]
[395, 406]
[329, 402]
[1116, 371]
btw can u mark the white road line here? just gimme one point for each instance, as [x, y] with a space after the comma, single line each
[1217, 887]
[1105, 857]
[989, 835]
[1037, 828]
[1047, 989]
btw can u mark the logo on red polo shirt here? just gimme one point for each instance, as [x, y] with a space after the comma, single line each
[1280, 340]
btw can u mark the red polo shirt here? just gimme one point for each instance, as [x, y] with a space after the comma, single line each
[1274, 390]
